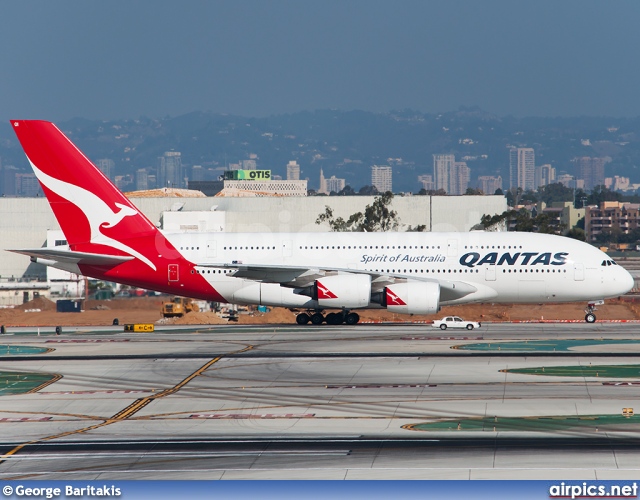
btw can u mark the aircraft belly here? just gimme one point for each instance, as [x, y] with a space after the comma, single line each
[269, 294]
[532, 290]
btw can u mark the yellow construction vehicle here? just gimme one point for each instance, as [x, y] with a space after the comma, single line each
[179, 306]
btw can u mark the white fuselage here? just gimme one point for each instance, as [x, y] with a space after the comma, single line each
[503, 267]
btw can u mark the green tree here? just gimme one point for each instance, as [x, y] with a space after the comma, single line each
[368, 191]
[601, 193]
[555, 192]
[376, 217]
[513, 196]
[529, 196]
[577, 234]
[347, 191]
[491, 222]
[522, 220]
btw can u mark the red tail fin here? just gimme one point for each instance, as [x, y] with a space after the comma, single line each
[89, 208]
[97, 218]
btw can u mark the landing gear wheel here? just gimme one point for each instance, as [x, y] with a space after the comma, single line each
[443, 327]
[317, 319]
[590, 318]
[352, 318]
[302, 319]
[469, 326]
[334, 319]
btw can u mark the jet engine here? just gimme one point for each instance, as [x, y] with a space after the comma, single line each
[343, 291]
[412, 297]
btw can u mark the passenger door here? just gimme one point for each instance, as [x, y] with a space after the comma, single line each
[173, 272]
[578, 271]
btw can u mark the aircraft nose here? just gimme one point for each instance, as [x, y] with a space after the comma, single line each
[625, 282]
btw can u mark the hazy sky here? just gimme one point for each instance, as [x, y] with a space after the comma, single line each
[122, 59]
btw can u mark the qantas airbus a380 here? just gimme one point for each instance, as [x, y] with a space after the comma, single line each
[409, 273]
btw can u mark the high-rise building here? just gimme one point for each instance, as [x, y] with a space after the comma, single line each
[522, 168]
[381, 178]
[293, 171]
[107, 167]
[142, 179]
[334, 184]
[323, 184]
[27, 185]
[426, 181]
[617, 183]
[442, 167]
[124, 182]
[545, 175]
[170, 170]
[489, 184]
[197, 173]
[591, 170]
[459, 178]
[450, 175]
[249, 164]
[567, 181]
[9, 180]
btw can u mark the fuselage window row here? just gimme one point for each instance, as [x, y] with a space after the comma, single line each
[379, 247]
[249, 248]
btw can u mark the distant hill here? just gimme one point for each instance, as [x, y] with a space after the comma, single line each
[347, 143]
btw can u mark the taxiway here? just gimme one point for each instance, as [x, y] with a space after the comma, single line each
[289, 402]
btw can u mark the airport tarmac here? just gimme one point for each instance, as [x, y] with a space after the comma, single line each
[331, 402]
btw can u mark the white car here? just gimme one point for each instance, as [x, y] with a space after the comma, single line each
[455, 322]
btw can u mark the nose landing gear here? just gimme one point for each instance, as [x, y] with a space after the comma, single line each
[590, 317]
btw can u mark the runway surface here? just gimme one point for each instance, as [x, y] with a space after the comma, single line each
[331, 402]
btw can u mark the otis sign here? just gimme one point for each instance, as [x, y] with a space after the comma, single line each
[473, 259]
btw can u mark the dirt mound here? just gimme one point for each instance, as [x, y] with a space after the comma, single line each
[274, 316]
[41, 303]
[197, 318]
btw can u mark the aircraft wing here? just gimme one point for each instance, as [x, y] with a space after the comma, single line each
[289, 276]
[300, 277]
[51, 256]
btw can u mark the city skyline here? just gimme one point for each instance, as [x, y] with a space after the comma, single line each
[575, 152]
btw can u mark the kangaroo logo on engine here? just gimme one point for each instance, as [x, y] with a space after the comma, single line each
[473, 259]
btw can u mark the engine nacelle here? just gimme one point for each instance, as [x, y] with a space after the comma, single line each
[343, 290]
[269, 294]
[413, 297]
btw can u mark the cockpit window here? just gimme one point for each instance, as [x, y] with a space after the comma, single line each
[609, 263]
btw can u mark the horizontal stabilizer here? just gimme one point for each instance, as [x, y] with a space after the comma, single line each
[69, 257]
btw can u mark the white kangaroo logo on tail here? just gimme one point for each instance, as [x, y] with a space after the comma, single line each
[97, 212]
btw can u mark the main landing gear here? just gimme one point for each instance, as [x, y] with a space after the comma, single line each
[590, 317]
[337, 318]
